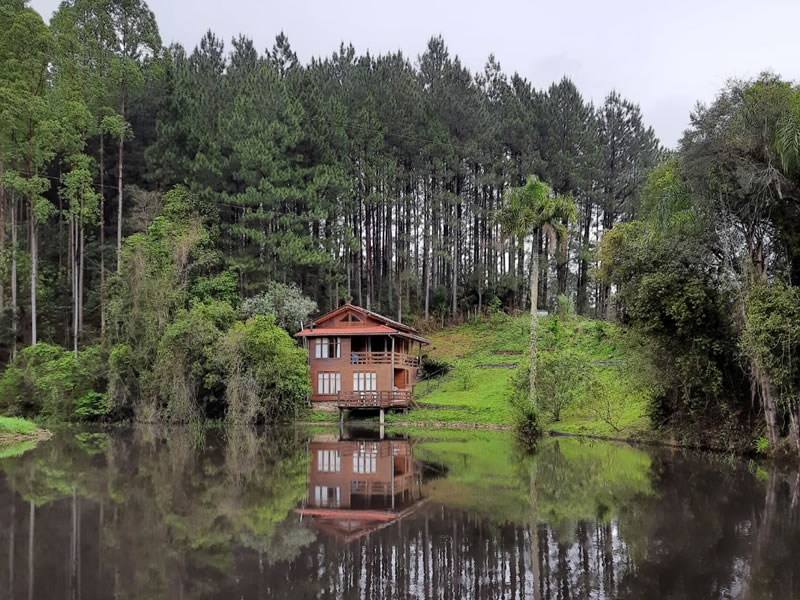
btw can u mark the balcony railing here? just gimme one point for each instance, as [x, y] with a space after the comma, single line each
[386, 399]
[383, 358]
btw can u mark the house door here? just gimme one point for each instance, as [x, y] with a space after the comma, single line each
[400, 379]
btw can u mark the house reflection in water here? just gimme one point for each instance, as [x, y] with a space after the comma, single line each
[361, 485]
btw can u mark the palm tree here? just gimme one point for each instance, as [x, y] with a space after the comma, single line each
[787, 137]
[531, 210]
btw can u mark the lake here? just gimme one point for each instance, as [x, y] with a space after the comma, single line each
[309, 513]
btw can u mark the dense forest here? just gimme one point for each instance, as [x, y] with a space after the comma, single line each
[372, 178]
[148, 190]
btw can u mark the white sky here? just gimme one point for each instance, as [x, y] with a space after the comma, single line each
[664, 56]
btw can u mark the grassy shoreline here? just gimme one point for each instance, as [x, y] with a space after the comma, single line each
[16, 429]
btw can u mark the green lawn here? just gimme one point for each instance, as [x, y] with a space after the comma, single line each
[477, 392]
[618, 406]
[474, 394]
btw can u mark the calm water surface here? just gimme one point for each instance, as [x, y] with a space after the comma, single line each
[304, 514]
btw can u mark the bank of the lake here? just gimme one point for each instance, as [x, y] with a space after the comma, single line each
[13, 429]
[18, 435]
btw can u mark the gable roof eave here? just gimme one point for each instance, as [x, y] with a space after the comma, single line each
[386, 320]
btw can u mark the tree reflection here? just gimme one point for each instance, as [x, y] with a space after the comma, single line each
[155, 513]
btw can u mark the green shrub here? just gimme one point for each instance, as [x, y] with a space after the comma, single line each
[559, 376]
[566, 308]
[772, 337]
[223, 287]
[185, 383]
[434, 367]
[92, 406]
[123, 384]
[49, 381]
[463, 374]
[266, 373]
[527, 424]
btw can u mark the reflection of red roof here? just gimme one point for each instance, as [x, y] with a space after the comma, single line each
[351, 524]
[347, 331]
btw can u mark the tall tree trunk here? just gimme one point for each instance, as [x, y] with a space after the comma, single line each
[535, 259]
[14, 308]
[119, 189]
[369, 273]
[81, 272]
[562, 260]
[73, 269]
[794, 425]
[426, 267]
[102, 241]
[583, 277]
[763, 389]
[2, 236]
[545, 266]
[34, 268]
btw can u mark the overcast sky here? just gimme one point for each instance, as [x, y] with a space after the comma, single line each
[665, 56]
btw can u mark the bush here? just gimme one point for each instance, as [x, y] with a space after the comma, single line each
[92, 406]
[527, 424]
[566, 308]
[185, 383]
[463, 374]
[266, 373]
[772, 336]
[285, 302]
[559, 375]
[605, 403]
[434, 367]
[49, 381]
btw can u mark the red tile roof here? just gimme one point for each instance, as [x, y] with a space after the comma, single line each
[348, 331]
[386, 320]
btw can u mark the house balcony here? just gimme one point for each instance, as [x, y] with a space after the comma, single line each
[385, 399]
[384, 358]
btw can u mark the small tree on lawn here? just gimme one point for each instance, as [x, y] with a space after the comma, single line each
[529, 211]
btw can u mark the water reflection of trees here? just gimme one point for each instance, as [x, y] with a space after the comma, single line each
[167, 514]
[154, 515]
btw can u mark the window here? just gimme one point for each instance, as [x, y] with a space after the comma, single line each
[329, 383]
[327, 496]
[327, 348]
[365, 461]
[329, 461]
[350, 318]
[365, 382]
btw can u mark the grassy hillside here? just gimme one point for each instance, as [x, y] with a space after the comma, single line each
[477, 389]
[611, 400]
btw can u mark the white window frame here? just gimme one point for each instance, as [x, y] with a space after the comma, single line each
[329, 383]
[324, 497]
[323, 346]
[365, 461]
[365, 381]
[329, 461]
